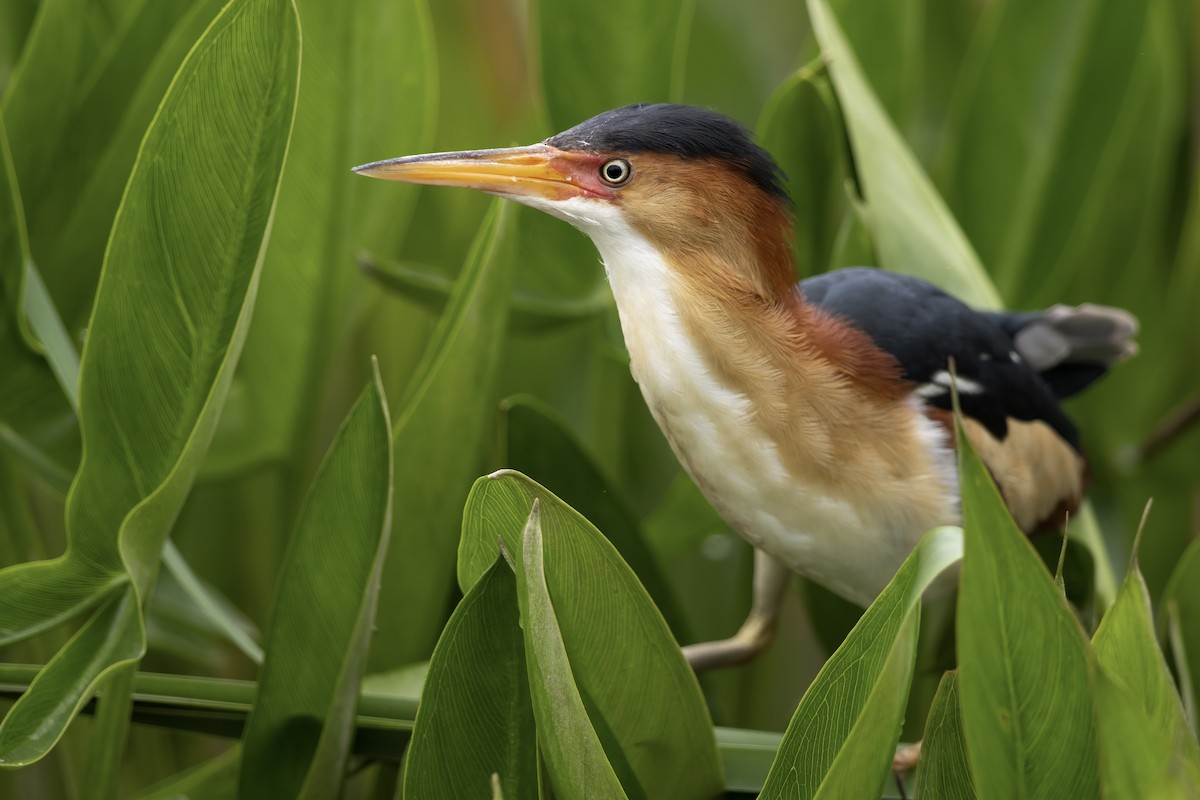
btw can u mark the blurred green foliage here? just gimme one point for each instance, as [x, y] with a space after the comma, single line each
[1025, 152]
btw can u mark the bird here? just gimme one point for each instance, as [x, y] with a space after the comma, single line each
[815, 417]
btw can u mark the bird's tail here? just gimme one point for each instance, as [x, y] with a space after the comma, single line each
[1071, 346]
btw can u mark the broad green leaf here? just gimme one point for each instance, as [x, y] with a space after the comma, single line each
[476, 715]
[1138, 757]
[849, 753]
[943, 772]
[583, 73]
[37, 423]
[298, 736]
[913, 231]
[655, 730]
[1128, 650]
[802, 129]
[372, 86]
[183, 261]
[538, 443]
[1049, 104]
[438, 439]
[1025, 669]
[532, 312]
[574, 756]
[112, 636]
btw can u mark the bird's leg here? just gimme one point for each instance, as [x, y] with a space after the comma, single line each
[905, 759]
[770, 582]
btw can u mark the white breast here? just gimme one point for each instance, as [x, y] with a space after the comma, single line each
[851, 549]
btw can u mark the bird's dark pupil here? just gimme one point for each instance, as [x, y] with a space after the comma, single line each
[615, 172]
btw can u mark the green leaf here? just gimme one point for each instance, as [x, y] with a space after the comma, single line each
[298, 736]
[656, 730]
[802, 128]
[111, 638]
[117, 103]
[584, 74]
[215, 779]
[219, 707]
[374, 57]
[914, 232]
[848, 753]
[51, 65]
[567, 741]
[853, 246]
[1182, 602]
[747, 757]
[476, 715]
[218, 610]
[1050, 103]
[37, 424]
[682, 520]
[887, 40]
[438, 440]
[539, 444]
[184, 252]
[532, 311]
[943, 771]
[1128, 650]
[1025, 668]
[1138, 757]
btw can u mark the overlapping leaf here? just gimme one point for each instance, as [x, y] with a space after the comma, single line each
[476, 716]
[848, 754]
[943, 772]
[1128, 650]
[299, 734]
[369, 94]
[1045, 105]
[439, 433]
[640, 695]
[1138, 758]
[182, 261]
[1025, 668]
[802, 128]
[108, 66]
[574, 756]
[913, 230]
[583, 74]
[539, 444]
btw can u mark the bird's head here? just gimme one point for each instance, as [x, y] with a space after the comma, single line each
[688, 181]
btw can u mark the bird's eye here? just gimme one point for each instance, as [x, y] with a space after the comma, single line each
[616, 172]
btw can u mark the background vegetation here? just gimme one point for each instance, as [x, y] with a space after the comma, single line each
[176, 203]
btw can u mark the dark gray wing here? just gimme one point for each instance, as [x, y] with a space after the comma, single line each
[923, 327]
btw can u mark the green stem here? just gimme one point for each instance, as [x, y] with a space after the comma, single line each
[110, 731]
